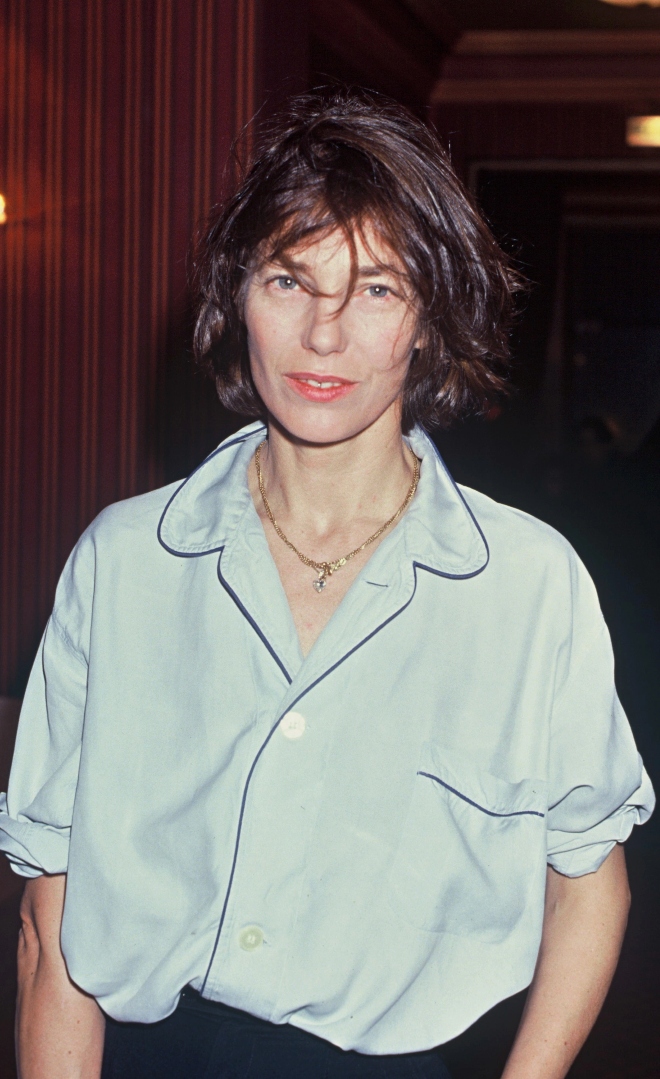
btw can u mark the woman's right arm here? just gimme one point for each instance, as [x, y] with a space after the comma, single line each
[59, 1029]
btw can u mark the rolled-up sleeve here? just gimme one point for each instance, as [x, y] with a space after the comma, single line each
[598, 786]
[36, 812]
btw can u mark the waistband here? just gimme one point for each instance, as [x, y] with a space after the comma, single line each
[194, 1001]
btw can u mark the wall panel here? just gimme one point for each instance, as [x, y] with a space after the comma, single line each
[115, 124]
[498, 130]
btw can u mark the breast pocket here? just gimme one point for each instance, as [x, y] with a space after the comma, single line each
[471, 851]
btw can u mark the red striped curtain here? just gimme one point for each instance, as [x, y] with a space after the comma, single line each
[115, 124]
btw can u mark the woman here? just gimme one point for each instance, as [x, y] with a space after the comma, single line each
[323, 751]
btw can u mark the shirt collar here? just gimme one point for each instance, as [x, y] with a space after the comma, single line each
[204, 510]
[441, 532]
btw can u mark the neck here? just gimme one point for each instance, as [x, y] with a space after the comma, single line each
[323, 489]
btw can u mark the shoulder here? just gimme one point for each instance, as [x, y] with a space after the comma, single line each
[121, 529]
[529, 558]
[517, 538]
[121, 540]
[513, 525]
[185, 517]
[131, 516]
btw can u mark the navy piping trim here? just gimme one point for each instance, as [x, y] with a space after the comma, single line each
[451, 576]
[358, 645]
[461, 576]
[235, 859]
[416, 566]
[212, 550]
[251, 620]
[518, 813]
[292, 704]
[250, 773]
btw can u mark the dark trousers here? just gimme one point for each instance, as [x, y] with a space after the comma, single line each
[206, 1040]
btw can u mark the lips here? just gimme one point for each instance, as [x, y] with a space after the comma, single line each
[318, 387]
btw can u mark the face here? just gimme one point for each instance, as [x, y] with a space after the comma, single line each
[327, 372]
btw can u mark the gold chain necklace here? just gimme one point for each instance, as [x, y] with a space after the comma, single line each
[326, 569]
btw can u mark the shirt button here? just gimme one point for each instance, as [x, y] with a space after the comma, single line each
[250, 938]
[292, 725]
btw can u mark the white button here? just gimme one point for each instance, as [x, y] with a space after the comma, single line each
[292, 725]
[250, 938]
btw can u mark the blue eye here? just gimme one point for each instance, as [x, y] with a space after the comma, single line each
[378, 291]
[286, 283]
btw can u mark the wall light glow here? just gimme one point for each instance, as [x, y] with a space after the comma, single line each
[3, 210]
[643, 131]
[634, 3]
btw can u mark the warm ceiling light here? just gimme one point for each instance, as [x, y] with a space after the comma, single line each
[643, 131]
[633, 3]
[3, 210]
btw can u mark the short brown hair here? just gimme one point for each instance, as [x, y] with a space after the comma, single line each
[346, 158]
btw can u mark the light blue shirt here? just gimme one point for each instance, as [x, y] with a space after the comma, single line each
[354, 842]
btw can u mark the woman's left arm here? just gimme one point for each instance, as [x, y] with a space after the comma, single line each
[584, 923]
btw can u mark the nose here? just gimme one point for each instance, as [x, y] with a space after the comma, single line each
[325, 331]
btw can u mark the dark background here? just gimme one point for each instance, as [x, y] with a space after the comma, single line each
[116, 122]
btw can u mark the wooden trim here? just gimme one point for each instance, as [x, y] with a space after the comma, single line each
[527, 91]
[546, 42]
[567, 164]
[612, 221]
[559, 164]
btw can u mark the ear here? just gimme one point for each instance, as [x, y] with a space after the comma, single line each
[422, 338]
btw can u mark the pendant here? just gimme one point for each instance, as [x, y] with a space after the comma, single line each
[319, 584]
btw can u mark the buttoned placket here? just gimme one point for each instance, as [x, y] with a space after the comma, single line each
[379, 594]
[198, 525]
